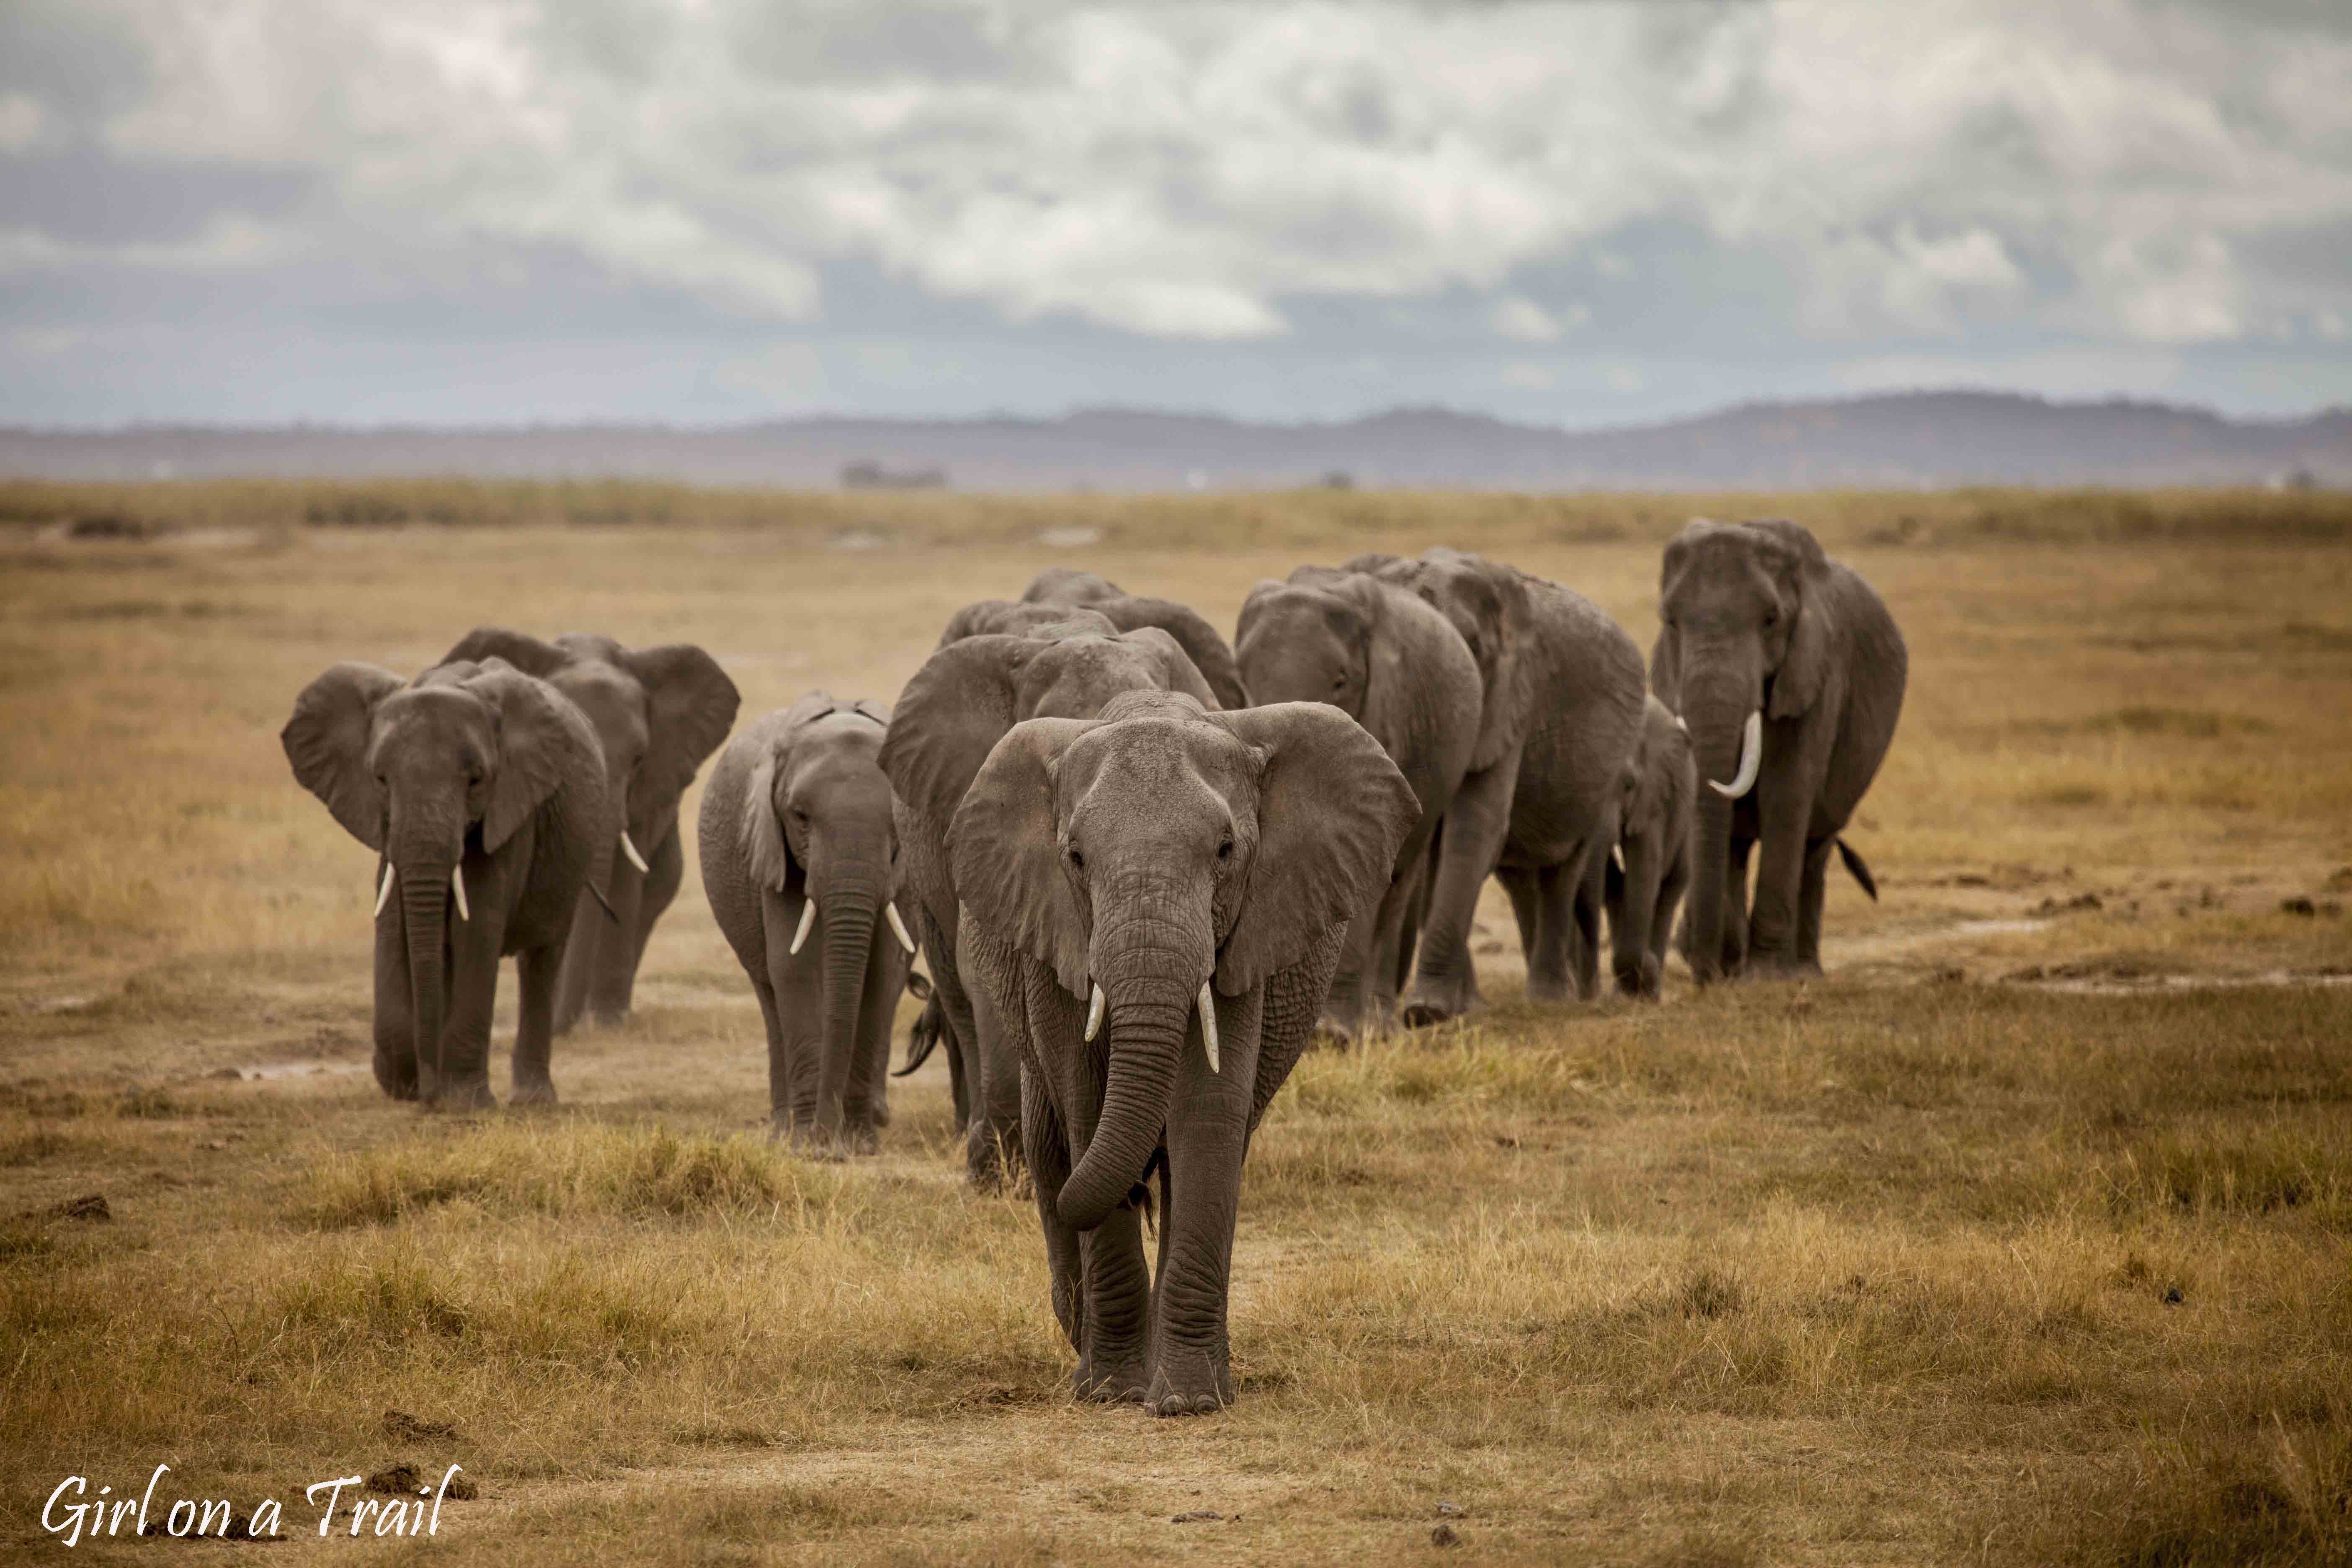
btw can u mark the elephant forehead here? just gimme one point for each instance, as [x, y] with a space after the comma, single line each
[1165, 753]
[1072, 678]
[420, 713]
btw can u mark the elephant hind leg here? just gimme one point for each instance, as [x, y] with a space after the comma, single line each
[1811, 891]
[1553, 963]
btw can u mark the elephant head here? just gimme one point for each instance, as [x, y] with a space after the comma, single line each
[1007, 617]
[816, 822]
[659, 713]
[1128, 611]
[1332, 634]
[1147, 856]
[419, 770]
[1654, 821]
[1488, 604]
[970, 692]
[1746, 629]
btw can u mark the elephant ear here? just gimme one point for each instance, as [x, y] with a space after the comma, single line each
[1332, 812]
[1005, 845]
[544, 743]
[327, 742]
[1209, 653]
[1178, 672]
[690, 706]
[954, 711]
[526, 653]
[1804, 669]
[1666, 668]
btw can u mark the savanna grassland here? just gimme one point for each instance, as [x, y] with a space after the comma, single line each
[2023, 1236]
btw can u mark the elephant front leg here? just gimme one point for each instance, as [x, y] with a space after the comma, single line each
[992, 1137]
[1047, 1147]
[1446, 984]
[1114, 1312]
[473, 989]
[1208, 1132]
[796, 983]
[535, 971]
[1809, 895]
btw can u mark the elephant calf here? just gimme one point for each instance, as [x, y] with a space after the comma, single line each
[1645, 878]
[1156, 900]
[799, 861]
[483, 790]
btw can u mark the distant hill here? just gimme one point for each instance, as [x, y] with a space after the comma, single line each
[1926, 439]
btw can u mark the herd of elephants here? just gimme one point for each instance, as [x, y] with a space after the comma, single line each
[1135, 855]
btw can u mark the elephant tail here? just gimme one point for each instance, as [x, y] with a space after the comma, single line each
[1859, 867]
[924, 1037]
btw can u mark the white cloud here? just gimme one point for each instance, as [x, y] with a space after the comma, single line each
[1526, 376]
[1873, 174]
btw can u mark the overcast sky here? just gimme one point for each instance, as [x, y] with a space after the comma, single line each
[1579, 214]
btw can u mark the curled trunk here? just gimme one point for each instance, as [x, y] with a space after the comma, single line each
[1149, 1023]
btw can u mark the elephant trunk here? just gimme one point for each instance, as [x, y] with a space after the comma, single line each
[1718, 712]
[1150, 967]
[424, 893]
[1633, 919]
[848, 909]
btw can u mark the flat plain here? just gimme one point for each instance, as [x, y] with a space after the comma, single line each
[2024, 1236]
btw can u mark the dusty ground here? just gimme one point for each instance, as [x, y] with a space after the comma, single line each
[2022, 1237]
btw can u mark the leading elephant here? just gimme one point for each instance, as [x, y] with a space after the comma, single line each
[1157, 899]
[956, 707]
[799, 861]
[1790, 672]
[659, 713]
[482, 790]
[1560, 704]
[1392, 663]
[1128, 611]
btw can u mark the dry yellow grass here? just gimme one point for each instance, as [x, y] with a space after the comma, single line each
[1925, 1262]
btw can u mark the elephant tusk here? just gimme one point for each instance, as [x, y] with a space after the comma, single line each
[383, 893]
[1680, 724]
[1751, 758]
[1208, 1005]
[458, 886]
[808, 919]
[631, 851]
[898, 927]
[1095, 1012]
[1617, 856]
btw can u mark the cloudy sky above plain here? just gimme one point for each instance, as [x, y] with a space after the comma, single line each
[1581, 214]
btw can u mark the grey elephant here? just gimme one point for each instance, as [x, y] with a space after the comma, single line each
[1157, 899]
[659, 713]
[958, 706]
[799, 861]
[1018, 619]
[1390, 662]
[483, 792]
[1643, 881]
[1209, 652]
[1790, 672]
[1561, 701]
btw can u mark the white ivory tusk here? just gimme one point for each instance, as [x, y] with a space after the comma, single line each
[1208, 1006]
[1751, 758]
[458, 886]
[1617, 856]
[808, 919]
[1095, 1012]
[384, 894]
[631, 851]
[898, 927]
[1681, 725]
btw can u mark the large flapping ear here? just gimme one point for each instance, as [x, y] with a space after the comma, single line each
[690, 706]
[1491, 607]
[1005, 849]
[1209, 652]
[525, 652]
[764, 844]
[1332, 812]
[545, 743]
[327, 742]
[1178, 673]
[1805, 569]
[953, 711]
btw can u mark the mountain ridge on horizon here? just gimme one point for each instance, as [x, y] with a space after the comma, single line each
[1919, 437]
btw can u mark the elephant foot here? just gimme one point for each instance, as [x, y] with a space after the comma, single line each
[1549, 988]
[1203, 1391]
[472, 1094]
[1436, 1004]
[533, 1091]
[862, 1138]
[1119, 1385]
[1777, 966]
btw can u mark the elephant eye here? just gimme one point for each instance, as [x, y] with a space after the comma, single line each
[1225, 848]
[1076, 859]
